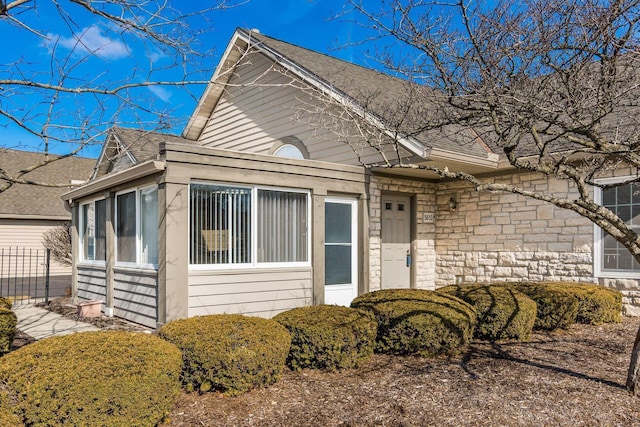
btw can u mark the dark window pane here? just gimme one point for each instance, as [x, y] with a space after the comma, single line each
[337, 264]
[337, 223]
[126, 227]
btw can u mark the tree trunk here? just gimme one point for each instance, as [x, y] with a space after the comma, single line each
[633, 376]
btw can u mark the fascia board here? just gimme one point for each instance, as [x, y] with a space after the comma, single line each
[197, 121]
[411, 144]
[144, 169]
[490, 162]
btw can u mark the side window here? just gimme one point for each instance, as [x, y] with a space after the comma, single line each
[136, 226]
[624, 201]
[93, 231]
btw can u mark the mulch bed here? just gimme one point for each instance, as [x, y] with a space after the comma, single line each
[568, 378]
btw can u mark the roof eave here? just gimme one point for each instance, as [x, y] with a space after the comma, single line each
[139, 171]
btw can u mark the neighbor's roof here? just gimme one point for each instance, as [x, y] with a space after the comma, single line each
[36, 201]
[127, 147]
[382, 95]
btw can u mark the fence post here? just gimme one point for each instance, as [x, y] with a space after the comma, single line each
[46, 279]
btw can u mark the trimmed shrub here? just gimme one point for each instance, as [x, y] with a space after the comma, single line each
[596, 304]
[419, 322]
[6, 303]
[557, 305]
[112, 378]
[329, 337]
[231, 353]
[503, 313]
[8, 322]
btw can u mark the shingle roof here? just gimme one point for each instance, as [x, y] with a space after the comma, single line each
[140, 144]
[34, 200]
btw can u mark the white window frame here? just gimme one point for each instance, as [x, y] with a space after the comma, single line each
[598, 247]
[254, 264]
[138, 249]
[81, 224]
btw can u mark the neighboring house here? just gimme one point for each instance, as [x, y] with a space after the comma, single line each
[265, 205]
[27, 211]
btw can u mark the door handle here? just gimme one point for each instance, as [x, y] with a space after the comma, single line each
[408, 259]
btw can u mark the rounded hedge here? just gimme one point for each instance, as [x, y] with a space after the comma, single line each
[419, 322]
[596, 304]
[329, 337]
[503, 313]
[105, 378]
[6, 303]
[557, 306]
[8, 323]
[231, 353]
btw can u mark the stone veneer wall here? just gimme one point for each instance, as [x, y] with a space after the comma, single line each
[423, 246]
[493, 237]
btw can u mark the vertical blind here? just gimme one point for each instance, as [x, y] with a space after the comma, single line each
[221, 219]
[220, 225]
[282, 226]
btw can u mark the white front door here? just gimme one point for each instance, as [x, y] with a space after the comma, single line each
[340, 251]
[396, 242]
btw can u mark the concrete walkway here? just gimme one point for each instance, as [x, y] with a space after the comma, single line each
[40, 323]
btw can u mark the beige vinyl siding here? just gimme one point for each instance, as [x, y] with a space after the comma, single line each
[136, 295]
[27, 234]
[258, 292]
[92, 283]
[259, 107]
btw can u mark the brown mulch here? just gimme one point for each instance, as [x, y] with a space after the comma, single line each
[65, 307]
[569, 378]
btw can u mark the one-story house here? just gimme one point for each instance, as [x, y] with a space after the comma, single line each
[28, 211]
[269, 201]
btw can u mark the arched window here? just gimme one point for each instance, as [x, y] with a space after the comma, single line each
[290, 151]
[290, 147]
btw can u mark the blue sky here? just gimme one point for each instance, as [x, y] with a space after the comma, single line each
[307, 23]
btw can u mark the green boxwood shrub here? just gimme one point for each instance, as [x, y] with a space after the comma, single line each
[557, 306]
[8, 322]
[419, 322]
[6, 303]
[596, 304]
[329, 337]
[503, 313]
[105, 378]
[231, 353]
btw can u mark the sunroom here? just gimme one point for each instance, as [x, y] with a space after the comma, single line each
[202, 231]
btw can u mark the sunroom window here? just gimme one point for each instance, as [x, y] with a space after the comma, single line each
[93, 231]
[624, 201]
[137, 227]
[247, 226]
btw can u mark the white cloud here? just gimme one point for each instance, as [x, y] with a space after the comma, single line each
[161, 93]
[91, 40]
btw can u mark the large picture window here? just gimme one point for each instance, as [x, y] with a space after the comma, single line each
[93, 231]
[137, 227]
[624, 201]
[245, 226]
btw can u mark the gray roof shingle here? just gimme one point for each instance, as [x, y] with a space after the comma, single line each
[36, 200]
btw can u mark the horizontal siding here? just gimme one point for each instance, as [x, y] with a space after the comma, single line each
[262, 293]
[92, 283]
[135, 295]
[28, 234]
[261, 106]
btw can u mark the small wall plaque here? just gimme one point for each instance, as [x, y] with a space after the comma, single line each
[427, 217]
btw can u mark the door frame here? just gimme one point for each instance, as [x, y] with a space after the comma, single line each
[412, 232]
[355, 245]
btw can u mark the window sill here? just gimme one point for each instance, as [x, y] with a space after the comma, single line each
[617, 275]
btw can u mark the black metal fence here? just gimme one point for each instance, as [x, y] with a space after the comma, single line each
[25, 275]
